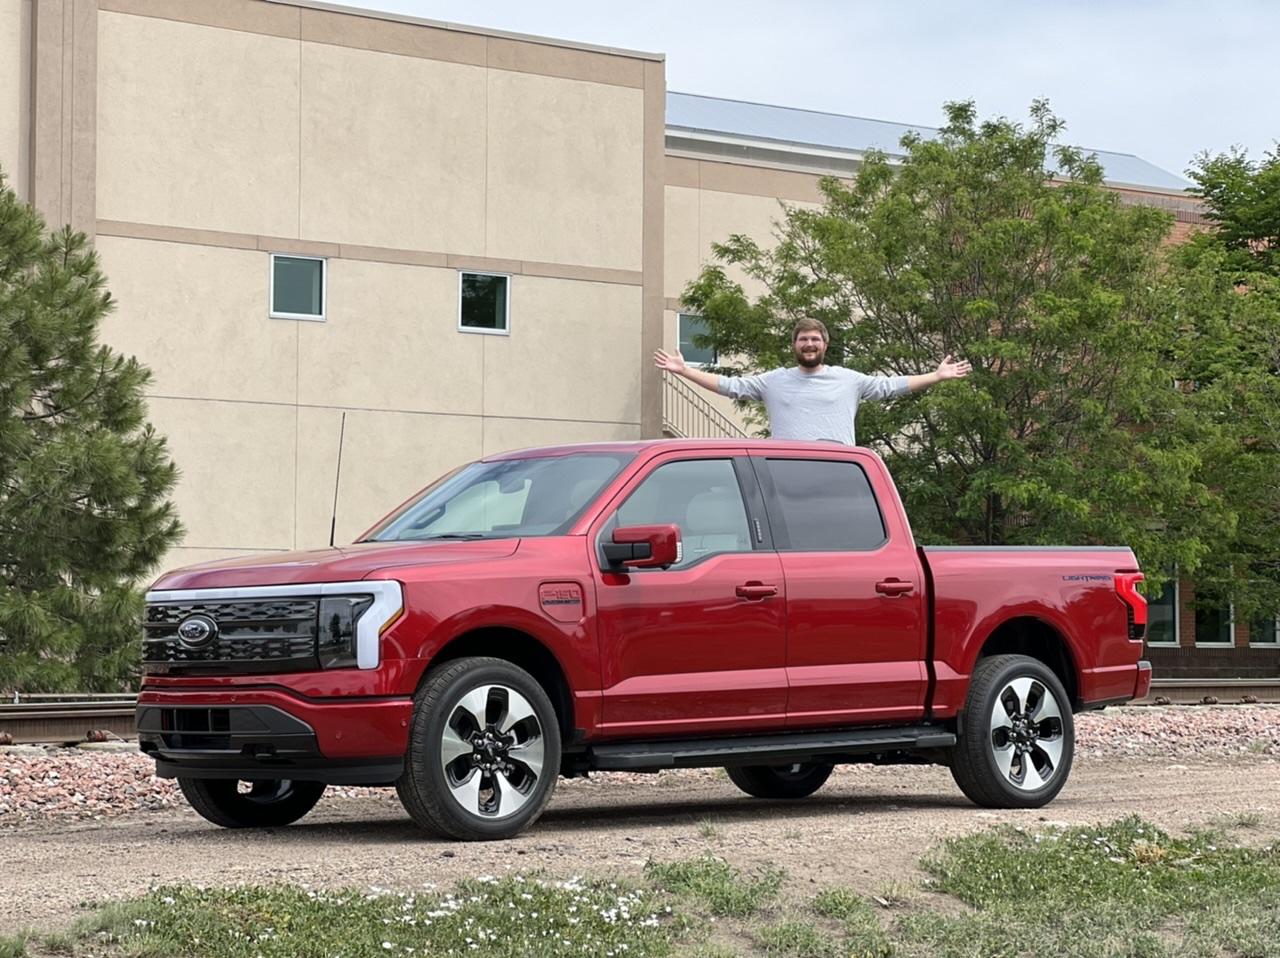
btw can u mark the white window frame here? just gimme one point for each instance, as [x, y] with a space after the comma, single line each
[1231, 631]
[324, 289]
[1266, 645]
[679, 318]
[1177, 621]
[480, 329]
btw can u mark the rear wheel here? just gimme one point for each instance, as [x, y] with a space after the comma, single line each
[484, 751]
[263, 803]
[799, 780]
[1016, 737]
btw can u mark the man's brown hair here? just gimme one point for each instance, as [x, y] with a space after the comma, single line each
[806, 325]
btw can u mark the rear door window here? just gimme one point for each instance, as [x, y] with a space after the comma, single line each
[823, 506]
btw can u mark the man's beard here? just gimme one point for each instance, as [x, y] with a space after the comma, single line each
[810, 362]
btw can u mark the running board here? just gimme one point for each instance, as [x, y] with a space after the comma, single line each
[777, 749]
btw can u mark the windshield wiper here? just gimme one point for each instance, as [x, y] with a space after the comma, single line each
[456, 535]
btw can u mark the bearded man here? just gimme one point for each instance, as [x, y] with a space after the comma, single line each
[811, 400]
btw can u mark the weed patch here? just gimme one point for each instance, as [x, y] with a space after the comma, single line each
[716, 883]
[513, 917]
[1126, 889]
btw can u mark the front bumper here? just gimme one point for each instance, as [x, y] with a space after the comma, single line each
[269, 734]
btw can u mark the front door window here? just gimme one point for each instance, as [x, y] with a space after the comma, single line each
[702, 497]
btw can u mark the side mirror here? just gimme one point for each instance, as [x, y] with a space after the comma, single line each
[643, 547]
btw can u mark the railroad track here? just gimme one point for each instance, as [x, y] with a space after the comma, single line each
[66, 719]
[69, 719]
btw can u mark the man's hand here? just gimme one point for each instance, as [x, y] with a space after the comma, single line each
[671, 362]
[948, 369]
[674, 363]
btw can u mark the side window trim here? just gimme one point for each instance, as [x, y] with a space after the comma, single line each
[782, 536]
[610, 520]
[753, 483]
[773, 528]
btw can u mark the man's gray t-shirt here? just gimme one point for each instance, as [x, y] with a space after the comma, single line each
[818, 405]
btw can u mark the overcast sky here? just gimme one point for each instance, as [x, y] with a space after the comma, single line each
[1163, 80]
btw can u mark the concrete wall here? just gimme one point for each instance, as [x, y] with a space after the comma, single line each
[15, 93]
[707, 202]
[401, 153]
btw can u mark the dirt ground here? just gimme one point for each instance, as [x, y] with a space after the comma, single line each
[866, 827]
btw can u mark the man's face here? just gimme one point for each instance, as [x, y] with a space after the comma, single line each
[810, 349]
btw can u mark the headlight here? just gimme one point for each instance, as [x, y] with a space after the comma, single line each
[336, 643]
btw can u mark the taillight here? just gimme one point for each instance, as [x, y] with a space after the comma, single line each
[1127, 589]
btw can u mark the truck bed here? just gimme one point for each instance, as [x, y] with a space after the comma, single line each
[1071, 590]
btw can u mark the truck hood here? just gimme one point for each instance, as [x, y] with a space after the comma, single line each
[346, 564]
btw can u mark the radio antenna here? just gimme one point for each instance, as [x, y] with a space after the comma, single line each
[333, 523]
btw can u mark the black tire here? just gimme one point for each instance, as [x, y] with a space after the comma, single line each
[780, 781]
[269, 803]
[1021, 757]
[436, 789]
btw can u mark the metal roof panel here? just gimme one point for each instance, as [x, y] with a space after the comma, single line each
[781, 124]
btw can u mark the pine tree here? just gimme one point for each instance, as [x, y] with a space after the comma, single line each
[84, 479]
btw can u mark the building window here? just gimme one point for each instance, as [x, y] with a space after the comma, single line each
[690, 326]
[1214, 625]
[297, 287]
[1264, 631]
[484, 303]
[1162, 615]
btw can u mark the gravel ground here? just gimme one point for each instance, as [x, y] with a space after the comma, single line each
[100, 826]
[97, 782]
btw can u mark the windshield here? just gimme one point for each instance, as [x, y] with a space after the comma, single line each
[512, 497]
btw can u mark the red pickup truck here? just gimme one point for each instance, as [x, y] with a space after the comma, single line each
[757, 605]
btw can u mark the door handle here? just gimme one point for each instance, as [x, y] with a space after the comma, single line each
[894, 587]
[755, 590]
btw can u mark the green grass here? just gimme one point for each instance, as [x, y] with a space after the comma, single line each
[718, 885]
[508, 917]
[799, 939]
[1238, 820]
[708, 829]
[1124, 890]
[859, 920]
[892, 894]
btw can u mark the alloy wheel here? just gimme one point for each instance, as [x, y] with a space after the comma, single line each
[492, 751]
[1027, 734]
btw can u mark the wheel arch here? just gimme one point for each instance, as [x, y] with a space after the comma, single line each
[520, 649]
[1040, 640]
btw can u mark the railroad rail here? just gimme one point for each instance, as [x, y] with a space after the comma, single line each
[70, 719]
[66, 719]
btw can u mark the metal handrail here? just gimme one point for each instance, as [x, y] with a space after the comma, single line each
[687, 415]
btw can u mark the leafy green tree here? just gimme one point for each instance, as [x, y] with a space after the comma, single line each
[1228, 355]
[1242, 200]
[84, 479]
[1224, 287]
[991, 243]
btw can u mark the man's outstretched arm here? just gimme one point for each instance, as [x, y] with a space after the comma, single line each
[947, 369]
[674, 363]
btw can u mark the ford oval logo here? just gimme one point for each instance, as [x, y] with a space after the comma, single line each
[197, 631]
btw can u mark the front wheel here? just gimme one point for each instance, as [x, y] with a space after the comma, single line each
[799, 780]
[1015, 738]
[484, 751]
[264, 803]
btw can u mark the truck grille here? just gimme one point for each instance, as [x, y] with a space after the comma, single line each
[258, 635]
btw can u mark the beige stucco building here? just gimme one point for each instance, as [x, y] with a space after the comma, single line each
[293, 201]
